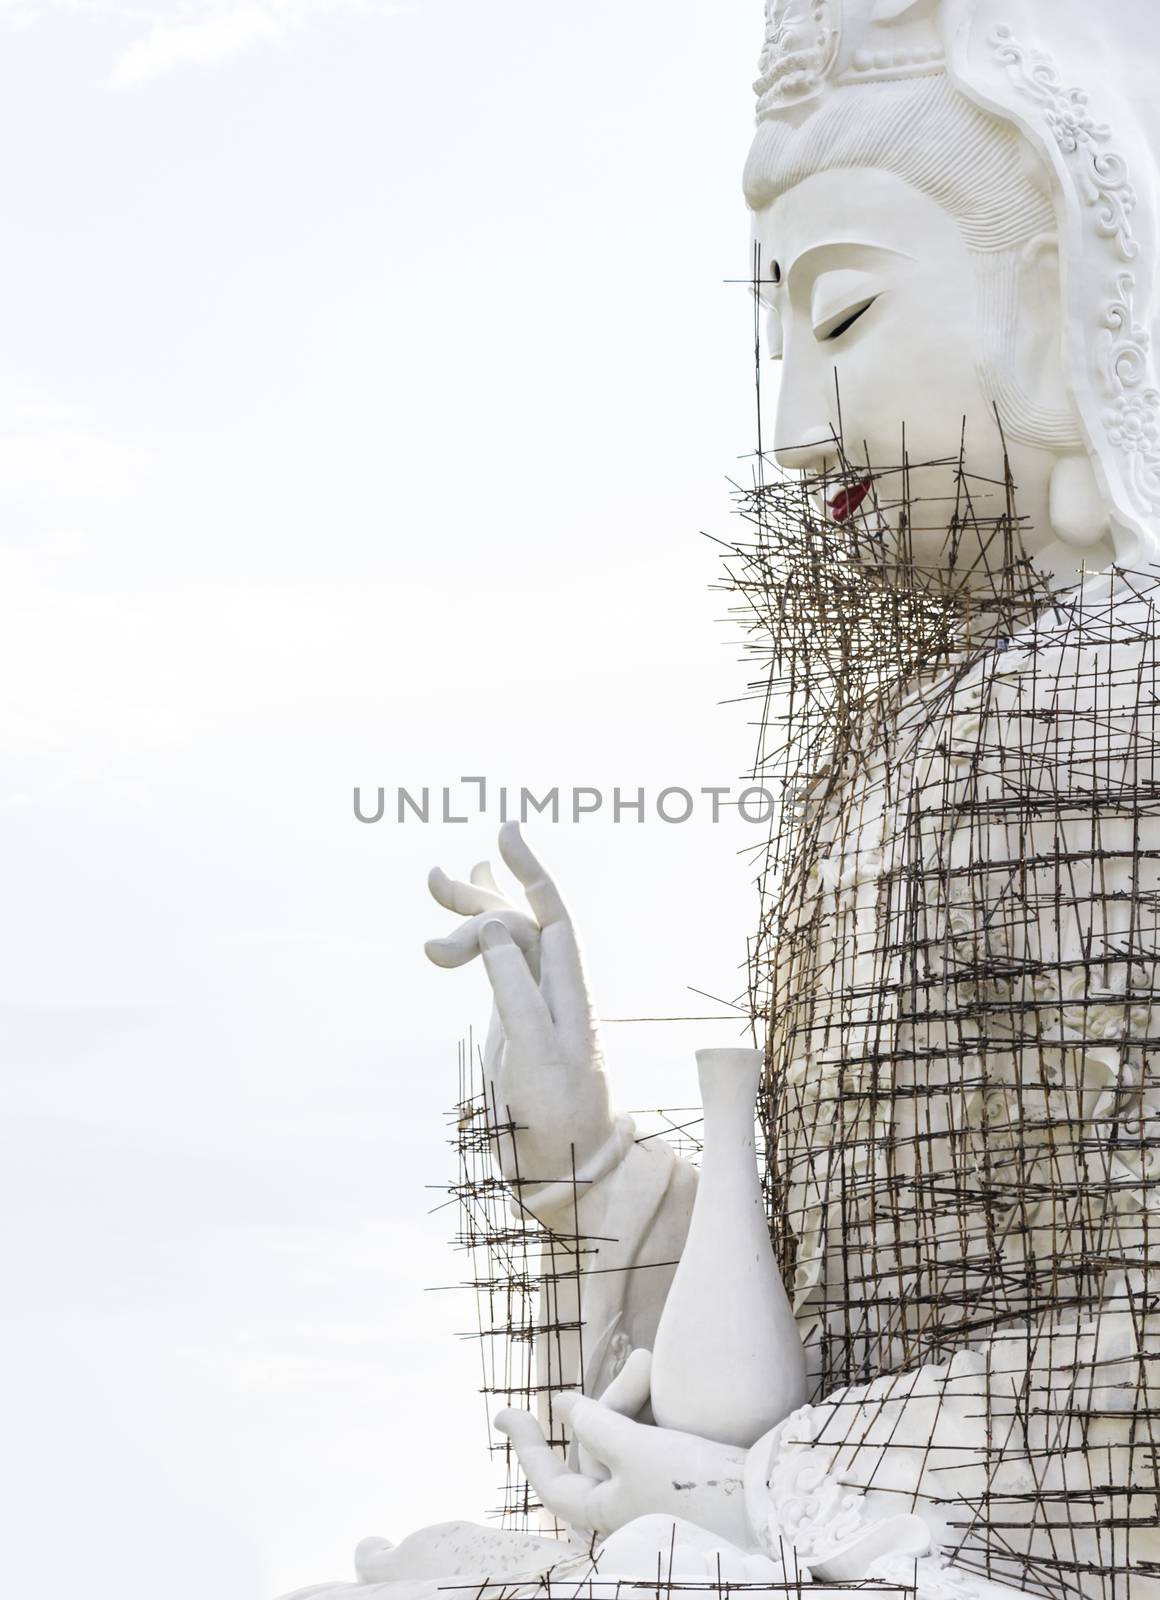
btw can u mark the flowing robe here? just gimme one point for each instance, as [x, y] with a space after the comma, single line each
[963, 1114]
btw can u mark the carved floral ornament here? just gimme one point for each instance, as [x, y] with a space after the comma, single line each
[1099, 172]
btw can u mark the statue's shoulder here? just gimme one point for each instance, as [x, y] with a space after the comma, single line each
[1118, 606]
[1099, 636]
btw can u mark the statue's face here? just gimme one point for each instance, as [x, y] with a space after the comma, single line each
[873, 310]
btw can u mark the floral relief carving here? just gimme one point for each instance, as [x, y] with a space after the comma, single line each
[1131, 417]
[814, 1511]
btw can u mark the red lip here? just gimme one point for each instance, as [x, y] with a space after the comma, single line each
[845, 502]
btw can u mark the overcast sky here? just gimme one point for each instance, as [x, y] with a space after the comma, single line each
[369, 376]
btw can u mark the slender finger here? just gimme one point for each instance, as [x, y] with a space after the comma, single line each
[483, 878]
[461, 946]
[562, 969]
[630, 1389]
[465, 899]
[528, 1442]
[607, 1435]
[523, 1011]
[579, 1501]
[566, 988]
[568, 1494]
[492, 1047]
[543, 895]
[626, 1395]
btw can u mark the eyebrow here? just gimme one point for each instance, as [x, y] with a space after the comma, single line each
[802, 264]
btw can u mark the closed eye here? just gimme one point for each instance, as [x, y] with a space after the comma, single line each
[845, 320]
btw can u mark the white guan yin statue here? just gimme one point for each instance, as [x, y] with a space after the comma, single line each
[951, 1387]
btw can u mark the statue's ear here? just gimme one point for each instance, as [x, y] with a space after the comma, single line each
[1039, 355]
[1078, 512]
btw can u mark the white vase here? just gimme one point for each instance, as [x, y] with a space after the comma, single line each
[727, 1362]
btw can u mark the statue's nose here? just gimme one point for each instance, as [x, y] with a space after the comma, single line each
[808, 450]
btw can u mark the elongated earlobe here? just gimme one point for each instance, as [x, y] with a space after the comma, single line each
[1021, 362]
[1079, 517]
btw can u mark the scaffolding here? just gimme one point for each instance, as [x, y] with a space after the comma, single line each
[957, 973]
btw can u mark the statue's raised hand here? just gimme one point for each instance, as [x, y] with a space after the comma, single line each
[547, 1092]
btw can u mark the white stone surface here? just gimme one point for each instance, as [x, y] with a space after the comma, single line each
[728, 1362]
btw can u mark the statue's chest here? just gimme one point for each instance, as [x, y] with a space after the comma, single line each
[880, 891]
[965, 990]
[994, 852]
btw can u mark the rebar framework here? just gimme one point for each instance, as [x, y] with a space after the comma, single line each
[956, 972]
[526, 1280]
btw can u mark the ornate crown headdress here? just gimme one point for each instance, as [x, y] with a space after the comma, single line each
[814, 44]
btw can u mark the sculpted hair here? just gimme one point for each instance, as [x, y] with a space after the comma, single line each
[925, 132]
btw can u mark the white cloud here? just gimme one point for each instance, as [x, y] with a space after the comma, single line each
[208, 40]
[54, 459]
[192, 33]
[214, 32]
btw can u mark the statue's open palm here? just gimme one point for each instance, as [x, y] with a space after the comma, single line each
[542, 1062]
[629, 1469]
